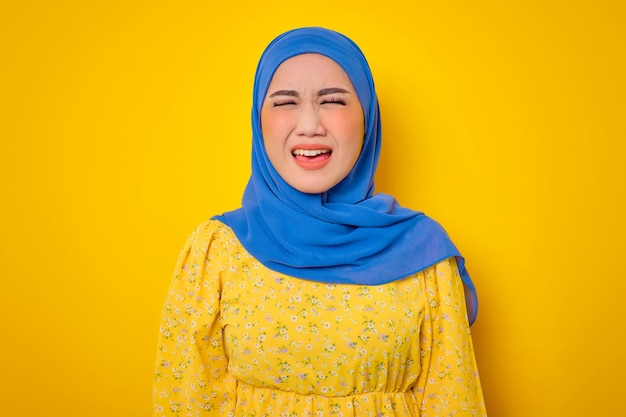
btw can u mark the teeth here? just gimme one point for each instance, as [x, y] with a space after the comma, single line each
[310, 152]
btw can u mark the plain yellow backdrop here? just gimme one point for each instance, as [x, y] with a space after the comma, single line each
[124, 124]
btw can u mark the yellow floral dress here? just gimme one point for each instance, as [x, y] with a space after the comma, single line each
[238, 339]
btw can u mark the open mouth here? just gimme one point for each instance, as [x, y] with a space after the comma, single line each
[311, 154]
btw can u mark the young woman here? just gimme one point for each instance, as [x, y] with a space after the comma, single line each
[317, 297]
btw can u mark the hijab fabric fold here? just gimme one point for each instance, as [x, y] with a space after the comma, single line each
[347, 235]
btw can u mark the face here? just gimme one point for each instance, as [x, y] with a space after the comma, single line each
[312, 123]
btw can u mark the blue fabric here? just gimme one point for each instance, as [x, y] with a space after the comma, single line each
[348, 234]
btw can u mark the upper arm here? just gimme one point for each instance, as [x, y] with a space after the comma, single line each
[192, 367]
[449, 382]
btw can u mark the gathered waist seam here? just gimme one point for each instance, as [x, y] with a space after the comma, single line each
[246, 385]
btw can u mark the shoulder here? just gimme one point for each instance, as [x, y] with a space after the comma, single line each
[447, 266]
[211, 230]
[211, 236]
[444, 273]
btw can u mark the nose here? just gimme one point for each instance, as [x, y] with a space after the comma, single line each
[309, 122]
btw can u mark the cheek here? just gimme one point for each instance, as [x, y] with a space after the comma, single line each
[274, 126]
[266, 123]
[350, 127]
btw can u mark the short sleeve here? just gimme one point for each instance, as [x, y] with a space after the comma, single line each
[449, 383]
[191, 377]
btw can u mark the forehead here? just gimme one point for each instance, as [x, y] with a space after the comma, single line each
[310, 68]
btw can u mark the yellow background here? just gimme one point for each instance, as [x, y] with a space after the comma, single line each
[124, 124]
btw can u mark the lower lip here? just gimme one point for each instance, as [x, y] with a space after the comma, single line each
[312, 164]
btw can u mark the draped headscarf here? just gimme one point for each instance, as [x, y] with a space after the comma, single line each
[347, 235]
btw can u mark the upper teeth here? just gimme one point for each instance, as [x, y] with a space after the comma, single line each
[310, 152]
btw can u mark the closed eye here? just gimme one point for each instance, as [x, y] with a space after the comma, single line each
[283, 103]
[334, 100]
[284, 97]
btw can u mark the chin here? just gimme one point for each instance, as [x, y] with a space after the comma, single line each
[312, 188]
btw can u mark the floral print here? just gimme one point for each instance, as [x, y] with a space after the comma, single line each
[238, 339]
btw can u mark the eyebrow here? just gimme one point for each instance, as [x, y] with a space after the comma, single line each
[333, 90]
[290, 93]
[322, 92]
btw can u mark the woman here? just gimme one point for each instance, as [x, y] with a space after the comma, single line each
[317, 297]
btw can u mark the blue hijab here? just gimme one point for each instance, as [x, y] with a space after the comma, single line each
[347, 235]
